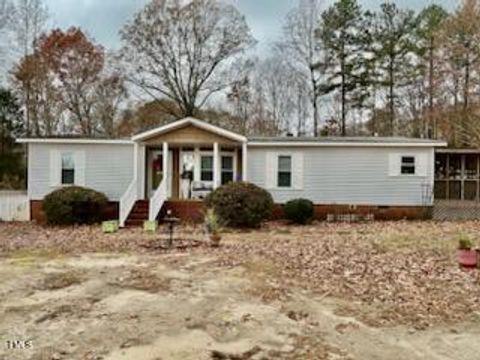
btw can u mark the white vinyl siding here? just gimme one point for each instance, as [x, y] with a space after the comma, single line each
[80, 168]
[107, 168]
[347, 175]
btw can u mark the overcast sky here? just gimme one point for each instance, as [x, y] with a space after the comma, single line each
[102, 19]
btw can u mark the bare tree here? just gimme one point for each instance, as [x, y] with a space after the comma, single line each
[277, 83]
[31, 20]
[181, 51]
[461, 40]
[7, 11]
[31, 17]
[110, 94]
[301, 43]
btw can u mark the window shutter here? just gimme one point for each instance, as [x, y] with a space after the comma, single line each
[394, 164]
[55, 168]
[421, 164]
[271, 170]
[297, 170]
[80, 168]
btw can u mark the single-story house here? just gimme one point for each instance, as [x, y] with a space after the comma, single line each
[175, 166]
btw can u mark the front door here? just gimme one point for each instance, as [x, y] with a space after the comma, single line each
[156, 172]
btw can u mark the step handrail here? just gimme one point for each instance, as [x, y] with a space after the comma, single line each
[157, 201]
[127, 201]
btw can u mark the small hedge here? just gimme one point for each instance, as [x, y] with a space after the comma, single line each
[241, 204]
[299, 211]
[74, 205]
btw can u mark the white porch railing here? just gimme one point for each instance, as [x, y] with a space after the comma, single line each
[157, 201]
[127, 201]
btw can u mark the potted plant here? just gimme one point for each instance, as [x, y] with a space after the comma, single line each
[467, 257]
[212, 227]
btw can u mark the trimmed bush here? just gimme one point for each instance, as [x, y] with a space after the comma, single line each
[74, 205]
[299, 211]
[241, 204]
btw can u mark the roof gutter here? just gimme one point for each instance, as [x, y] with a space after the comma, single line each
[74, 141]
[345, 144]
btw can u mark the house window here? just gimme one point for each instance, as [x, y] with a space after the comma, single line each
[408, 165]
[206, 168]
[284, 171]
[227, 169]
[68, 169]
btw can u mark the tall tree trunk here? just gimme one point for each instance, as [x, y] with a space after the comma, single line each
[431, 92]
[344, 115]
[391, 94]
[466, 90]
[27, 112]
[315, 104]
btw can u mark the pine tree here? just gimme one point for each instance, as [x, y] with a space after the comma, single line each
[341, 37]
[430, 21]
[393, 47]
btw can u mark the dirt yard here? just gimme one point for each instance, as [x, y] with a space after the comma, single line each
[326, 291]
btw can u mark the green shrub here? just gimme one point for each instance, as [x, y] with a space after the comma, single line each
[241, 204]
[74, 205]
[299, 211]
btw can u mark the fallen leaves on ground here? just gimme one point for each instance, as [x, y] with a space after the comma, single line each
[27, 238]
[415, 281]
[388, 272]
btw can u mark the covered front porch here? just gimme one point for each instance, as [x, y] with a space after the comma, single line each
[182, 161]
[191, 171]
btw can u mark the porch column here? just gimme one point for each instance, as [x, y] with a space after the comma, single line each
[216, 165]
[166, 175]
[140, 166]
[244, 161]
[197, 164]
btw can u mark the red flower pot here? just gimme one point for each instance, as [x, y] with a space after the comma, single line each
[467, 258]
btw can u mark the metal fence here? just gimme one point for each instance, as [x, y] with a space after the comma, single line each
[14, 206]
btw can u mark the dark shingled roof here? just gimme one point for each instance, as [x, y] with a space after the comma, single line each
[339, 139]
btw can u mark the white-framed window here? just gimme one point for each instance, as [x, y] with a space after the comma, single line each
[407, 165]
[284, 173]
[68, 168]
[206, 168]
[227, 169]
[284, 170]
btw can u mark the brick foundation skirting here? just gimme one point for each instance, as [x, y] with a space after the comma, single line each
[37, 213]
[193, 211]
[379, 212]
[189, 211]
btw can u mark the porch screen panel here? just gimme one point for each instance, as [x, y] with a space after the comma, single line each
[441, 182]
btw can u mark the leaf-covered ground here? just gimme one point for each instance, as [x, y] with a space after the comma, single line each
[388, 273]
[398, 272]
